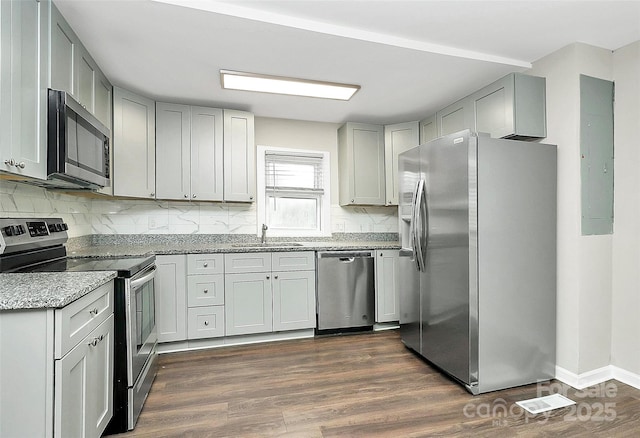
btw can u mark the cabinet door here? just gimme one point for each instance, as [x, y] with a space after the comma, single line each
[134, 145]
[387, 297]
[103, 100]
[24, 80]
[206, 154]
[294, 300]
[86, 69]
[206, 322]
[428, 129]
[64, 43]
[172, 151]
[397, 139]
[494, 108]
[83, 387]
[239, 157]
[361, 164]
[456, 117]
[247, 302]
[171, 298]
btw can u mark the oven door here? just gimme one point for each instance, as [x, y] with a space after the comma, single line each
[141, 322]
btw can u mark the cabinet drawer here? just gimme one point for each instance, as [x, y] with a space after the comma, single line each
[247, 262]
[205, 290]
[205, 264]
[293, 261]
[78, 319]
[205, 322]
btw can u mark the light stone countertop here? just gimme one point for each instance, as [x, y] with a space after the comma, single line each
[46, 290]
[132, 250]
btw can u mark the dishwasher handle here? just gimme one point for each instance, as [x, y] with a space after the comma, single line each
[345, 256]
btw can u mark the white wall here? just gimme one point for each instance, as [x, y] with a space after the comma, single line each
[105, 215]
[584, 262]
[625, 351]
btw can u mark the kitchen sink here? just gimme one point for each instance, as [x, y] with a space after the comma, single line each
[265, 245]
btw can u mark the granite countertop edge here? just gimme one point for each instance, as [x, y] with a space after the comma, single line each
[213, 248]
[46, 290]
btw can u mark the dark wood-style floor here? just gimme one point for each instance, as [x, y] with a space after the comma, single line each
[366, 385]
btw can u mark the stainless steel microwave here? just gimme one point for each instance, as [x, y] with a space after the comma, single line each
[77, 145]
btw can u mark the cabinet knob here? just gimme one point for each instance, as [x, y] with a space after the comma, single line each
[206, 323]
[353, 200]
[275, 276]
[9, 162]
[20, 165]
[268, 277]
[186, 196]
[205, 264]
[251, 198]
[193, 196]
[93, 311]
[152, 194]
[206, 291]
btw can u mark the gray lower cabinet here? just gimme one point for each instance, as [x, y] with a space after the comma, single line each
[387, 296]
[134, 145]
[205, 296]
[267, 292]
[171, 297]
[361, 164]
[56, 368]
[24, 61]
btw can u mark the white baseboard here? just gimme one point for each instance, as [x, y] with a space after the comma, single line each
[599, 375]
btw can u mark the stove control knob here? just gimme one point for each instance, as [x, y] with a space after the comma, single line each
[52, 227]
[20, 229]
[9, 230]
[64, 226]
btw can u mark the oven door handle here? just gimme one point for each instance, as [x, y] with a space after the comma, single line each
[148, 275]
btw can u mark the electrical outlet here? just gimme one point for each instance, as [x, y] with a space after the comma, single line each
[339, 227]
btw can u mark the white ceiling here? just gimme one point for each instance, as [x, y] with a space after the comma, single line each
[411, 58]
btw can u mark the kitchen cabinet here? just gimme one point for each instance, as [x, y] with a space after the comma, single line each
[56, 368]
[239, 156]
[456, 117]
[75, 71]
[171, 297]
[267, 292]
[428, 129]
[397, 139]
[205, 296]
[512, 107]
[134, 143]
[361, 164]
[387, 296]
[189, 148]
[24, 79]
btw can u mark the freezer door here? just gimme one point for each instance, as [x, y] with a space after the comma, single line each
[446, 306]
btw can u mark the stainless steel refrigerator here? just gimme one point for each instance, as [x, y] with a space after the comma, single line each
[478, 260]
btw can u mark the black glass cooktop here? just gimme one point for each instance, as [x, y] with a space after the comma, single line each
[126, 267]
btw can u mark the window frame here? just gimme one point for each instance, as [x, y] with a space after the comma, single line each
[324, 215]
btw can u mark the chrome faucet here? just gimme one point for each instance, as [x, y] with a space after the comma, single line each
[264, 233]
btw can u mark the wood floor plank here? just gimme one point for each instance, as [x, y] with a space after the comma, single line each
[366, 385]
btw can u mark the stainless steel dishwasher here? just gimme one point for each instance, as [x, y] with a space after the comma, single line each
[346, 290]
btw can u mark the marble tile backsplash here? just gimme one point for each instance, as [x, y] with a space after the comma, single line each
[103, 215]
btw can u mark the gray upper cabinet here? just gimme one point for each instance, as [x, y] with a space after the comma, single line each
[397, 139]
[239, 156]
[455, 117]
[361, 164]
[24, 61]
[189, 144]
[74, 70]
[134, 145]
[428, 129]
[512, 107]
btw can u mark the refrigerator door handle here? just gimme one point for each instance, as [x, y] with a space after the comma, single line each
[419, 234]
[413, 225]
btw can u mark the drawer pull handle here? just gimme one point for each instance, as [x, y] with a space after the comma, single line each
[206, 323]
[94, 311]
[95, 341]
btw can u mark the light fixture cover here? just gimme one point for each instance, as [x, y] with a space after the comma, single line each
[234, 80]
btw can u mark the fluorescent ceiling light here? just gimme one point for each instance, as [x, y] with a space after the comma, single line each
[234, 80]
